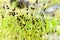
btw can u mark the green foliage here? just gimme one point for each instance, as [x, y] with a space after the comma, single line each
[24, 26]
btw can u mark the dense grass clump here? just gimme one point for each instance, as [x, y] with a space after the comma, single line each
[27, 23]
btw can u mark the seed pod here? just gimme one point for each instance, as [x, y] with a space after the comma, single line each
[31, 14]
[13, 9]
[47, 33]
[32, 8]
[27, 9]
[21, 27]
[42, 14]
[23, 38]
[18, 18]
[2, 16]
[20, 23]
[55, 30]
[40, 35]
[53, 15]
[30, 28]
[22, 16]
[10, 13]
[27, 29]
[16, 13]
[4, 7]
[33, 22]
[15, 37]
[44, 21]
[35, 32]
[33, 28]
[44, 9]
[41, 28]
[36, 20]
[26, 20]
[7, 6]
[33, 3]
[27, 13]
[24, 24]
[13, 13]
[45, 26]
[38, 29]
[36, 1]
[44, 4]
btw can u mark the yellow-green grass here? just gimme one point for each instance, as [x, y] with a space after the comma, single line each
[28, 28]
